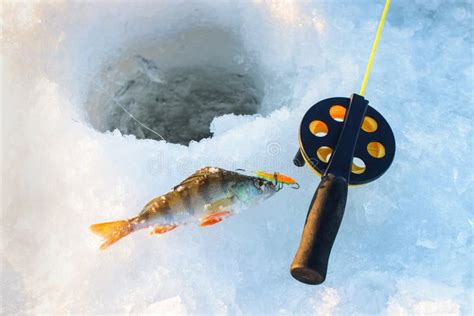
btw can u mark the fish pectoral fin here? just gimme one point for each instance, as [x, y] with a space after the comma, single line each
[220, 205]
[162, 229]
[214, 218]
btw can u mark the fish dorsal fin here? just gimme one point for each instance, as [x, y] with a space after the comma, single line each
[199, 175]
[154, 200]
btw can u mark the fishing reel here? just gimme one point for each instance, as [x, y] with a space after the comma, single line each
[347, 142]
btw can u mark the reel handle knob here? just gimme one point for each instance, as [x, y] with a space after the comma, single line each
[299, 160]
[322, 224]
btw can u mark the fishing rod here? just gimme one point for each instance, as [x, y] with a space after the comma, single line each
[347, 142]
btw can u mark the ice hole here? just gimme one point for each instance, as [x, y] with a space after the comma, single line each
[177, 87]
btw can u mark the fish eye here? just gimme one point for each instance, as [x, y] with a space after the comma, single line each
[259, 183]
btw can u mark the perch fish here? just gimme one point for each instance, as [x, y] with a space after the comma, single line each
[206, 198]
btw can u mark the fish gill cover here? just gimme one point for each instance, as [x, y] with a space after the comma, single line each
[405, 245]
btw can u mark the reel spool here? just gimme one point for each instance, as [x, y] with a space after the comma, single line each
[319, 135]
[335, 136]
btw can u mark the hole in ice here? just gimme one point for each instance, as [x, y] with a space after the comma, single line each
[177, 87]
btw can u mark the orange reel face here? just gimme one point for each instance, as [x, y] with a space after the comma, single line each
[319, 135]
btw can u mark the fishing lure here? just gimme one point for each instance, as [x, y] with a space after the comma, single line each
[278, 178]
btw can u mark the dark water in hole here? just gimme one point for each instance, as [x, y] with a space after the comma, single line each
[180, 103]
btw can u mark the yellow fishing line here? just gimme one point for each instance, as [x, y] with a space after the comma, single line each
[374, 47]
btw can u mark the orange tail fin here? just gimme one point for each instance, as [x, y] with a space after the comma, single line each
[112, 231]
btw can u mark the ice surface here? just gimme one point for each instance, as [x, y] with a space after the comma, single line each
[405, 245]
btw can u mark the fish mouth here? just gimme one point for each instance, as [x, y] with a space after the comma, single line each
[274, 187]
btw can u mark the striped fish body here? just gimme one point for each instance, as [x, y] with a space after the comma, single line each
[204, 198]
[189, 200]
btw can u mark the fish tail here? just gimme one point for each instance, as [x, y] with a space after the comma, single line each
[112, 231]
